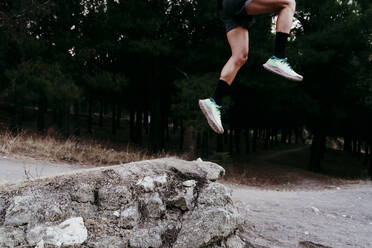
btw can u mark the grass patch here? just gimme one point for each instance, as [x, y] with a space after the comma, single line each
[72, 150]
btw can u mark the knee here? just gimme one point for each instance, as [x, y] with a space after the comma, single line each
[241, 59]
[289, 4]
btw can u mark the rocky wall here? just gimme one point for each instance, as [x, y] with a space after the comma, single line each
[154, 203]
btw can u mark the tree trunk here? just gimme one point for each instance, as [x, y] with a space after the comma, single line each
[347, 143]
[370, 162]
[41, 115]
[247, 144]
[297, 134]
[226, 137]
[101, 107]
[14, 127]
[354, 146]
[237, 140]
[138, 136]
[276, 138]
[272, 137]
[254, 141]
[323, 146]
[266, 138]
[198, 142]
[231, 140]
[284, 136]
[166, 126]
[90, 102]
[146, 121]
[131, 125]
[205, 144]
[316, 151]
[113, 118]
[366, 154]
[156, 132]
[66, 121]
[359, 148]
[182, 134]
[175, 126]
[219, 143]
[76, 120]
[118, 116]
[289, 136]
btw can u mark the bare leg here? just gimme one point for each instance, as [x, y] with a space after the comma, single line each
[286, 9]
[238, 40]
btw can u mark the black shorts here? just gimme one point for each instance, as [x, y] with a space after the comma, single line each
[233, 14]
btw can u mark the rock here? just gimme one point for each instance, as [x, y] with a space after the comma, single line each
[184, 199]
[148, 183]
[111, 197]
[108, 242]
[2, 205]
[309, 244]
[11, 237]
[316, 210]
[40, 244]
[203, 226]
[234, 242]
[197, 169]
[69, 232]
[26, 209]
[215, 194]
[152, 205]
[2, 210]
[83, 193]
[20, 211]
[146, 238]
[129, 217]
[189, 183]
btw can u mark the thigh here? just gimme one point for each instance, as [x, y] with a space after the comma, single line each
[256, 7]
[238, 40]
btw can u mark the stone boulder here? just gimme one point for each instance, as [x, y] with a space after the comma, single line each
[154, 203]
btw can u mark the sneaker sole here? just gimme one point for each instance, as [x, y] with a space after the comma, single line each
[209, 116]
[279, 72]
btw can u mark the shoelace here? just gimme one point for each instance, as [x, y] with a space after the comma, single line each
[217, 107]
[285, 62]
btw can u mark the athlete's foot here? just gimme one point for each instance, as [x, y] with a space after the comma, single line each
[212, 112]
[282, 68]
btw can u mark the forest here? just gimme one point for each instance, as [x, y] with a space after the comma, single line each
[142, 65]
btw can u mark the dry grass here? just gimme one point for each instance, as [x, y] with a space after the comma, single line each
[71, 150]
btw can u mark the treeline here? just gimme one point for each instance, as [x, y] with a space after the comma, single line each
[150, 61]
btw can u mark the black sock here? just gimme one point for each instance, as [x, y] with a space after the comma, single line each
[280, 42]
[222, 90]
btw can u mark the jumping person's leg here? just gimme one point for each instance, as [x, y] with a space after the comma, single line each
[238, 40]
[286, 8]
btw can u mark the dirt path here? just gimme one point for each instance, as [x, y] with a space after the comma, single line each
[20, 169]
[341, 217]
[275, 154]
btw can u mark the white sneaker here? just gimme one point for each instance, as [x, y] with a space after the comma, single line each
[282, 68]
[212, 112]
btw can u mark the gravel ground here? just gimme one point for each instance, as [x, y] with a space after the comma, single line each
[336, 217]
